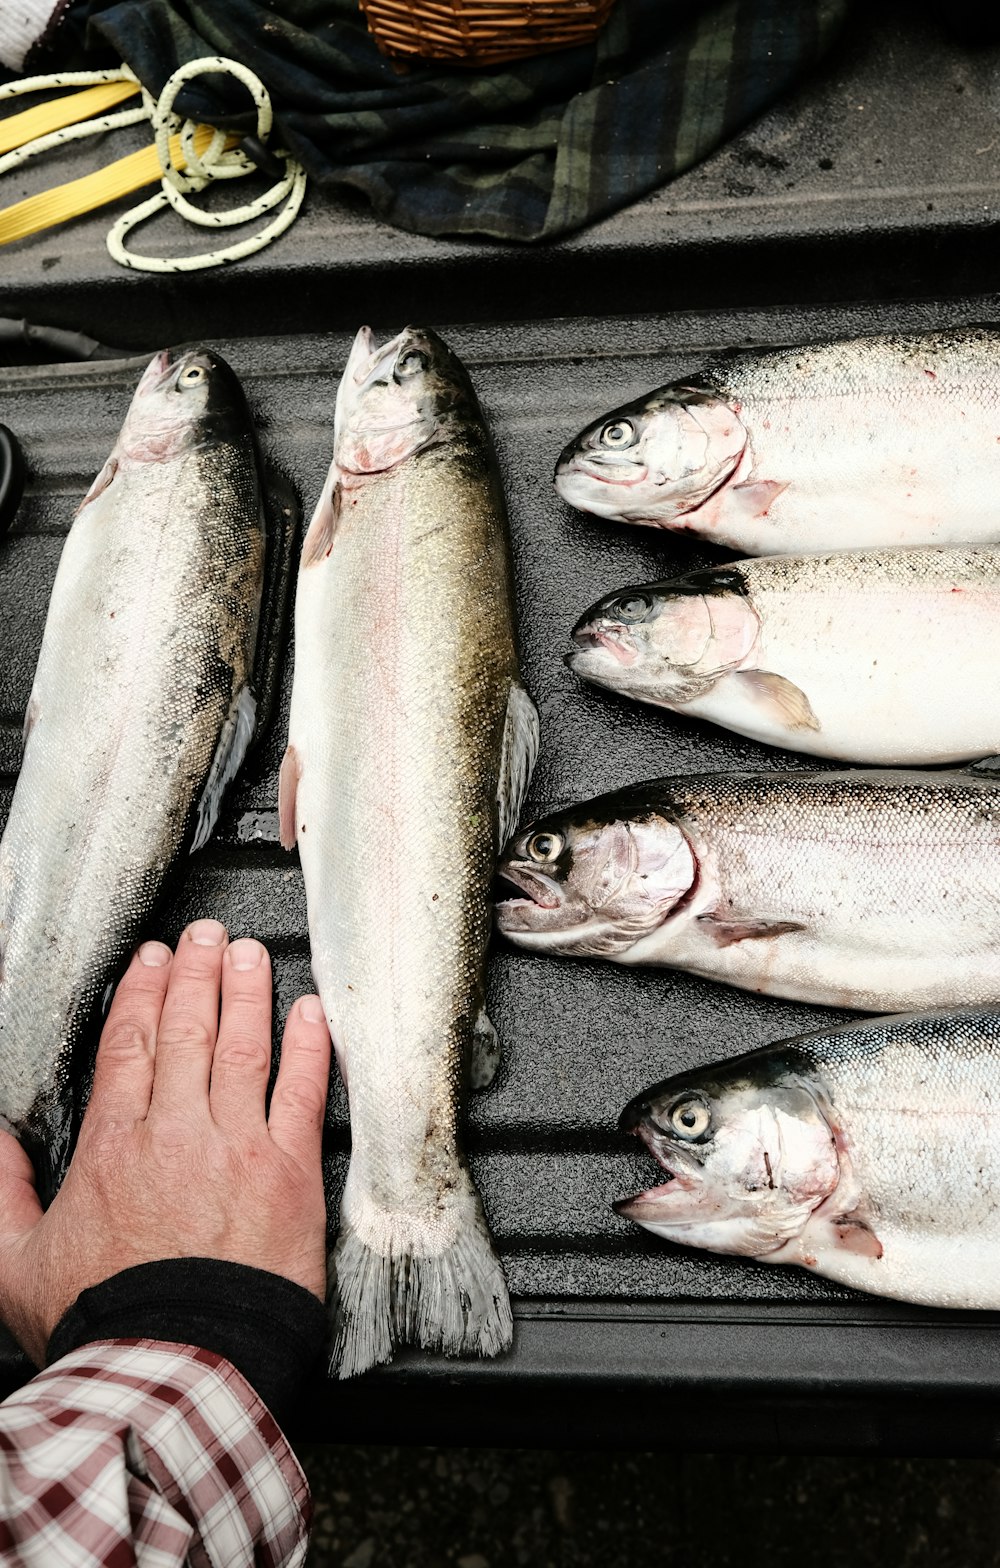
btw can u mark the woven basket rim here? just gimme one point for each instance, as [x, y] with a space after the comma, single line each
[482, 31]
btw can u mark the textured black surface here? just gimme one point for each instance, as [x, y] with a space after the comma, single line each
[604, 1310]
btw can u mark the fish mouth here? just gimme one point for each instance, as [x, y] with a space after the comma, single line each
[643, 1206]
[613, 639]
[517, 887]
[368, 362]
[155, 373]
[638, 1206]
[614, 474]
[378, 360]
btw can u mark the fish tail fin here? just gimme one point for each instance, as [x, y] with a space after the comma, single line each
[454, 1300]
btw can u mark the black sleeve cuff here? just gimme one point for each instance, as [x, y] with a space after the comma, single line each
[271, 1330]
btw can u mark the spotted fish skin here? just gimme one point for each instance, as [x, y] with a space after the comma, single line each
[851, 444]
[869, 1154]
[141, 708]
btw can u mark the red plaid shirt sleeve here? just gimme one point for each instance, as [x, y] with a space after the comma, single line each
[129, 1451]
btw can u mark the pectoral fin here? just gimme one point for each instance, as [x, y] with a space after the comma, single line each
[485, 1056]
[288, 784]
[100, 484]
[756, 499]
[782, 701]
[30, 715]
[235, 737]
[726, 932]
[517, 758]
[319, 537]
[855, 1235]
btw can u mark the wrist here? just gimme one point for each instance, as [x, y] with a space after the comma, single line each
[271, 1330]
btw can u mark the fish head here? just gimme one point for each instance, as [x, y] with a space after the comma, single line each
[185, 398]
[748, 1151]
[397, 400]
[667, 641]
[592, 882]
[653, 460]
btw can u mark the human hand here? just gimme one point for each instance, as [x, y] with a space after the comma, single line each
[176, 1157]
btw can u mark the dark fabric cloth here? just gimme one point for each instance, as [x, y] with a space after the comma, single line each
[526, 151]
[271, 1330]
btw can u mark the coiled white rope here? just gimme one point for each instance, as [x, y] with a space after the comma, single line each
[68, 133]
[214, 163]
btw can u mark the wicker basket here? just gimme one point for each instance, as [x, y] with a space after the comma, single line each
[482, 32]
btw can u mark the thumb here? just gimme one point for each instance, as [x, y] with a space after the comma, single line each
[20, 1209]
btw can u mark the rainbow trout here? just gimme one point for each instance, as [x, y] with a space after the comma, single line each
[876, 890]
[141, 710]
[848, 445]
[411, 742]
[869, 1154]
[882, 656]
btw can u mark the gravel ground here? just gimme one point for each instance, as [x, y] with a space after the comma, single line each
[495, 1508]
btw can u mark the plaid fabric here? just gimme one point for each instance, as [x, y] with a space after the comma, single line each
[136, 1452]
[519, 152]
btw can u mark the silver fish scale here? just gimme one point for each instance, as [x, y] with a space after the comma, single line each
[889, 423]
[149, 637]
[891, 880]
[878, 807]
[918, 1100]
[891, 365]
[868, 570]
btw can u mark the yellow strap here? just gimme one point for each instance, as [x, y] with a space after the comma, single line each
[16, 129]
[49, 208]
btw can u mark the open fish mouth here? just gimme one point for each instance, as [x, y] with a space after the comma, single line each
[614, 639]
[641, 1205]
[638, 1206]
[517, 887]
[155, 373]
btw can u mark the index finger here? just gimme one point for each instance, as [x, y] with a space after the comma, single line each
[123, 1071]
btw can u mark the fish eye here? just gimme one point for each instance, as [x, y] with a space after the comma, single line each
[192, 376]
[545, 847]
[411, 363]
[690, 1118]
[632, 606]
[620, 432]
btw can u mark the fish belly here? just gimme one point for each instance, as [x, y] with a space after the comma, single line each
[931, 1270]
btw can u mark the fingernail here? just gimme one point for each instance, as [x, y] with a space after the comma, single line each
[311, 1009]
[246, 953]
[155, 954]
[207, 933]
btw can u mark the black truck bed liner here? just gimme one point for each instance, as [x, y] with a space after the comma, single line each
[613, 1327]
